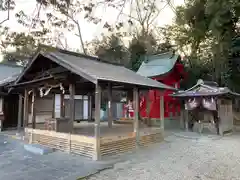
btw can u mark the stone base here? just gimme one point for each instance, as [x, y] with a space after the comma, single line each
[168, 123]
[208, 128]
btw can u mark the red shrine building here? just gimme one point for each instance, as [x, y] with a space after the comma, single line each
[168, 69]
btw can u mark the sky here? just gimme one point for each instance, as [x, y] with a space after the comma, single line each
[89, 30]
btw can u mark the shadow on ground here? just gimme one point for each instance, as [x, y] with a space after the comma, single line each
[18, 164]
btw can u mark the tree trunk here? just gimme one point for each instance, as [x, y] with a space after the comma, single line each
[80, 37]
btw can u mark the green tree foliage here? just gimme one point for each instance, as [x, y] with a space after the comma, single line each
[147, 45]
[112, 49]
[137, 52]
[23, 45]
[204, 30]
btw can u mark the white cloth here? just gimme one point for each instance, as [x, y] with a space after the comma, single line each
[209, 104]
[192, 104]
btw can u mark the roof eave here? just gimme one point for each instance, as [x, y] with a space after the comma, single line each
[27, 68]
[163, 73]
[59, 61]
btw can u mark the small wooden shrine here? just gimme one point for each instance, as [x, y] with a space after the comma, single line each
[52, 81]
[207, 106]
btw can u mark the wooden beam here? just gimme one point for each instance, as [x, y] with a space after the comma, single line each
[32, 82]
[26, 112]
[33, 109]
[39, 82]
[110, 115]
[50, 71]
[72, 105]
[97, 121]
[162, 109]
[136, 113]
[20, 110]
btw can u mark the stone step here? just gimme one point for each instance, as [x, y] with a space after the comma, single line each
[38, 149]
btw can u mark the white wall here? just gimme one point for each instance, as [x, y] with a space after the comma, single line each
[44, 107]
[80, 112]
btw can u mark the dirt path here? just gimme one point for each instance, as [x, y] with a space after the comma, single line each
[205, 158]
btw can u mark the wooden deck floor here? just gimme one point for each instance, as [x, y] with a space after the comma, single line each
[87, 129]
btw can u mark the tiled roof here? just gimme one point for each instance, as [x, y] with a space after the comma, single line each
[96, 70]
[9, 73]
[201, 89]
[159, 64]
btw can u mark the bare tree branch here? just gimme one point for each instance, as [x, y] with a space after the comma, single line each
[139, 12]
[120, 12]
[8, 13]
[159, 10]
[80, 37]
[79, 30]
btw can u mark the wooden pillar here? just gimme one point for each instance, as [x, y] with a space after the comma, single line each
[98, 91]
[33, 109]
[72, 106]
[53, 106]
[162, 109]
[186, 120]
[26, 110]
[2, 112]
[136, 113]
[148, 103]
[90, 107]
[62, 106]
[19, 126]
[110, 115]
[181, 118]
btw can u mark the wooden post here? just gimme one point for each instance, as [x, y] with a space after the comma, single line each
[90, 107]
[2, 112]
[162, 110]
[182, 118]
[72, 106]
[33, 108]
[26, 112]
[98, 91]
[82, 107]
[62, 105]
[186, 120]
[136, 113]
[110, 116]
[19, 113]
[148, 108]
[53, 107]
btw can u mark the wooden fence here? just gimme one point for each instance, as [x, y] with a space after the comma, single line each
[86, 146]
[122, 144]
[76, 144]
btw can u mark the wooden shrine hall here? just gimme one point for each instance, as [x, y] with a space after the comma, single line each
[70, 74]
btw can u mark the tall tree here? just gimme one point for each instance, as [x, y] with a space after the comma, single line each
[20, 47]
[112, 49]
[205, 29]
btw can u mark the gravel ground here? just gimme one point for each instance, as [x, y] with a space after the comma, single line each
[203, 158]
[18, 164]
